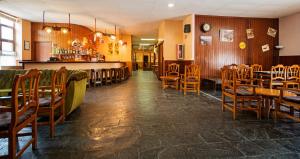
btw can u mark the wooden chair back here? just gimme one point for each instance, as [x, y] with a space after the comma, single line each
[228, 78]
[243, 72]
[256, 67]
[173, 70]
[278, 73]
[25, 97]
[58, 84]
[192, 72]
[293, 72]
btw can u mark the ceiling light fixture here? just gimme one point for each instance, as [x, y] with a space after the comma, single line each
[148, 39]
[113, 36]
[49, 29]
[97, 34]
[171, 5]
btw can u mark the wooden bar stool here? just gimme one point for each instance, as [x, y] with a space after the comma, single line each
[122, 73]
[98, 77]
[107, 76]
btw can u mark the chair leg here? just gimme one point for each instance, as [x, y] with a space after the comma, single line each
[34, 134]
[52, 123]
[234, 109]
[62, 110]
[223, 102]
[184, 89]
[12, 145]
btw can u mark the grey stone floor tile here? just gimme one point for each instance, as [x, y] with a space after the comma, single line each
[136, 119]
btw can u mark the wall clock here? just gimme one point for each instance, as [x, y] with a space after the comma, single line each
[206, 27]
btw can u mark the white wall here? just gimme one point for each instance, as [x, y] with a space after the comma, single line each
[289, 35]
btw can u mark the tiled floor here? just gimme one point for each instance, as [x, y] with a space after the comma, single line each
[138, 120]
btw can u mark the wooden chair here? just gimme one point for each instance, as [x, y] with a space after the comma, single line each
[244, 74]
[278, 75]
[190, 80]
[56, 100]
[255, 68]
[22, 113]
[171, 78]
[292, 103]
[292, 77]
[238, 93]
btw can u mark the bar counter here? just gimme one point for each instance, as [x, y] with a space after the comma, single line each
[75, 65]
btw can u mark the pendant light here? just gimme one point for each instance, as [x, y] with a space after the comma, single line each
[97, 34]
[113, 36]
[49, 29]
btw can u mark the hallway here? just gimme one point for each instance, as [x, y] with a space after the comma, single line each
[138, 120]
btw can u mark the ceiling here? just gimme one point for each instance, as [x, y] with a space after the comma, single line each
[141, 17]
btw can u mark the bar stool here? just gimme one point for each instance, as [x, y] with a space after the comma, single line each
[98, 77]
[126, 72]
[122, 73]
[115, 75]
[107, 76]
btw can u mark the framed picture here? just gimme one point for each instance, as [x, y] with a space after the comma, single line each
[26, 45]
[272, 32]
[180, 51]
[265, 48]
[226, 35]
[250, 33]
[206, 40]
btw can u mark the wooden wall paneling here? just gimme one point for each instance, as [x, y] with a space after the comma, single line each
[260, 27]
[213, 57]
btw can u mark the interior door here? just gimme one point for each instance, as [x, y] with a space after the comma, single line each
[42, 50]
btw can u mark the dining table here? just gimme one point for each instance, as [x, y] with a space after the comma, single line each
[269, 95]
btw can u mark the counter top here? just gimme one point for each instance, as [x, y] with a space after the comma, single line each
[68, 62]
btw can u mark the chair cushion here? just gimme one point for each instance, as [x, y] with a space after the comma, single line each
[44, 102]
[5, 118]
[240, 92]
[295, 99]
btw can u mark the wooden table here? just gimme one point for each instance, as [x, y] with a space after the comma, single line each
[269, 95]
[166, 79]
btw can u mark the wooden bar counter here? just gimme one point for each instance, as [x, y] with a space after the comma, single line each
[76, 65]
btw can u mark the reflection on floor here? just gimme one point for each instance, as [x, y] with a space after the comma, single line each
[139, 120]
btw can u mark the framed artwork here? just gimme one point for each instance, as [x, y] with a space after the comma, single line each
[117, 48]
[26, 45]
[226, 35]
[110, 47]
[265, 48]
[250, 33]
[272, 32]
[206, 40]
[180, 51]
